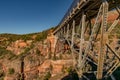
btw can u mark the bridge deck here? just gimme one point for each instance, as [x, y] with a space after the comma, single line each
[90, 7]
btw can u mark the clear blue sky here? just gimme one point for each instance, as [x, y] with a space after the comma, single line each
[28, 16]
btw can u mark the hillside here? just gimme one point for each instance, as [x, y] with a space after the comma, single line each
[30, 57]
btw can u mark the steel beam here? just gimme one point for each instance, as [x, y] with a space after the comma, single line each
[102, 52]
[91, 38]
[81, 43]
[72, 43]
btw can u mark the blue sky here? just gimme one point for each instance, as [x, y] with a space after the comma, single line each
[28, 16]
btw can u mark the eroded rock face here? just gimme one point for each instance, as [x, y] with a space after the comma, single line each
[112, 15]
[18, 46]
[12, 77]
[33, 75]
[44, 66]
[51, 39]
[31, 62]
[56, 67]
[9, 78]
[11, 69]
[59, 65]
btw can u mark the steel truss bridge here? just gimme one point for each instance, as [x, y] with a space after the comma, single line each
[85, 29]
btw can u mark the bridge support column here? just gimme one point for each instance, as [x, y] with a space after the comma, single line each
[72, 43]
[101, 55]
[81, 45]
[67, 32]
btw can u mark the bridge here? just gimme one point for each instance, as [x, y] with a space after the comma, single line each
[86, 30]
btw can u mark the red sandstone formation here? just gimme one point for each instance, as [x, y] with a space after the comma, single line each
[55, 66]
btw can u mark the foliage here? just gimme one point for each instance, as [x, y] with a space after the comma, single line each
[1, 78]
[3, 51]
[25, 52]
[47, 76]
[41, 36]
[11, 71]
[38, 52]
[2, 75]
[69, 69]
[6, 53]
[69, 52]
[116, 31]
[54, 57]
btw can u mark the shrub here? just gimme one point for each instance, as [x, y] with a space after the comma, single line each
[6, 54]
[1, 78]
[54, 57]
[2, 75]
[11, 71]
[47, 76]
[69, 69]
[38, 52]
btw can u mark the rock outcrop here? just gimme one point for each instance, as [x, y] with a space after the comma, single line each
[55, 67]
[18, 46]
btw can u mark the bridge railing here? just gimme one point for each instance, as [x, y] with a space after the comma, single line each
[73, 5]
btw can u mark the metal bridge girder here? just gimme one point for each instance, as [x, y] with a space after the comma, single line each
[70, 33]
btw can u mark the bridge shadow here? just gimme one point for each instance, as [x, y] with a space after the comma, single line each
[71, 76]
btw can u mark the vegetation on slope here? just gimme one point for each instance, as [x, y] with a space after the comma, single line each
[6, 54]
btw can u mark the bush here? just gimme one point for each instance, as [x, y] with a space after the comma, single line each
[47, 76]
[6, 54]
[70, 69]
[1, 78]
[2, 75]
[11, 71]
[38, 52]
[54, 57]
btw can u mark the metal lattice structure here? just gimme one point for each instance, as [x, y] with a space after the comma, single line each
[86, 31]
